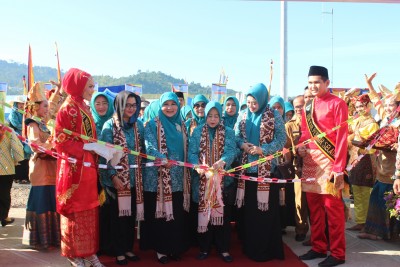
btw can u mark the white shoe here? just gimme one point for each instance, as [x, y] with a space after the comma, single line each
[76, 262]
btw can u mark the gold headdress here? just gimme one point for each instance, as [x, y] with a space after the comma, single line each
[36, 94]
[387, 94]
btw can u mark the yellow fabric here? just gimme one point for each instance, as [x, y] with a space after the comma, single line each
[11, 152]
[361, 196]
[363, 128]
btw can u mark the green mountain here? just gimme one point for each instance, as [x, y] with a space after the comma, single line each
[152, 82]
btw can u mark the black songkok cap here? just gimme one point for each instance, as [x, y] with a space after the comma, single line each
[179, 94]
[318, 71]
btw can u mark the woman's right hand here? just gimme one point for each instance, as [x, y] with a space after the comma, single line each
[246, 147]
[370, 78]
[117, 183]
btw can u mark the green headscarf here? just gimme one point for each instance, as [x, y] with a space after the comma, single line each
[231, 120]
[278, 99]
[196, 99]
[100, 120]
[172, 126]
[253, 120]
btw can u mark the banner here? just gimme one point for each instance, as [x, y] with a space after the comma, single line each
[48, 86]
[134, 88]
[3, 93]
[218, 91]
[184, 88]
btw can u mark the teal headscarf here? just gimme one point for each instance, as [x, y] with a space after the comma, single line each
[213, 104]
[151, 111]
[278, 99]
[243, 104]
[100, 120]
[253, 120]
[172, 126]
[184, 112]
[15, 118]
[231, 120]
[288, 107]
[196, 99]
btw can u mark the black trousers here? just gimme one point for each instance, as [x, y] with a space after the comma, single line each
[22, 170]
[220, 235]
[5, 195]
[122, 228]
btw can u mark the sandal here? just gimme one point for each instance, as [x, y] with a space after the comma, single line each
[368, 236]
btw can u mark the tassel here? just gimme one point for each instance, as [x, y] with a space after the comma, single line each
[186, 202]
[282, 200]
[202, 229]
[102, 197]
[263, 206]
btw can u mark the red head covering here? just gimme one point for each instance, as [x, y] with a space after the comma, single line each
[74, 83]
[361, 98]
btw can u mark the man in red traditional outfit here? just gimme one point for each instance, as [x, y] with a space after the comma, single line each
[76, 185]
[325, 160]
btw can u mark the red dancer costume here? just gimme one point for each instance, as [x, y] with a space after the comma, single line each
[76, 185]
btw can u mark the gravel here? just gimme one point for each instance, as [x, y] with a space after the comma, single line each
[19, 195]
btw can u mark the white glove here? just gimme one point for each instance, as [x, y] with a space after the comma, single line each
[101, 150]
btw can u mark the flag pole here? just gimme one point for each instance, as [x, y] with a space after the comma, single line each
[58, 65]
[271, 74]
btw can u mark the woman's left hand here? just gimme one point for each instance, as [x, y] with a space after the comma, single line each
[255, 150]
[218, 165]
[394, 146]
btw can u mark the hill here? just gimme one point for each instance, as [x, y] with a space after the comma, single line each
[153, 82]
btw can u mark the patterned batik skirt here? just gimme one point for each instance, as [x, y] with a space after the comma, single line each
[80, 233]
[42, 222]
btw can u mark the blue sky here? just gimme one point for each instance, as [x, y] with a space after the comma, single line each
[194, 39]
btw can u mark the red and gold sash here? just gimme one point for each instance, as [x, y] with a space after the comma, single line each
[322, 142]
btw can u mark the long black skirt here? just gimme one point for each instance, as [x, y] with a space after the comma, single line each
[261, 236]
[165, 237]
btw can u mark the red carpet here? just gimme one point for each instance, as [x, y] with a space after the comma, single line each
[148, 259]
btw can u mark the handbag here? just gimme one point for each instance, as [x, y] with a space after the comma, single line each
[285, 170]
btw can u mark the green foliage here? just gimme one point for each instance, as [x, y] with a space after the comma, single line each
[152, 82]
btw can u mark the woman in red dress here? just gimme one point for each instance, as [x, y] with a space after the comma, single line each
[76, 185]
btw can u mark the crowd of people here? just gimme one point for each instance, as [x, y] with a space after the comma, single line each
[121, 169]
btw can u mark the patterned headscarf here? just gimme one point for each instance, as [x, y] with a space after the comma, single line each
[119, 106]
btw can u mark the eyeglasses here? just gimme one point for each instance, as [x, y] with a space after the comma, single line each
[130, 106]
[203, 105]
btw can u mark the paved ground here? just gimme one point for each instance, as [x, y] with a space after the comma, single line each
[13, 253]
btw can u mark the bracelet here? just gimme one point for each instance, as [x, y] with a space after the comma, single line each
[395, 177]
[336, 174]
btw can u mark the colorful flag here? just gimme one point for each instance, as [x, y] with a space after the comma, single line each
[58, 65]
[223, 79]
[31, 78]
[184, 88]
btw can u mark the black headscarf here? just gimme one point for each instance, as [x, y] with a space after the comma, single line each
[119, 106]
